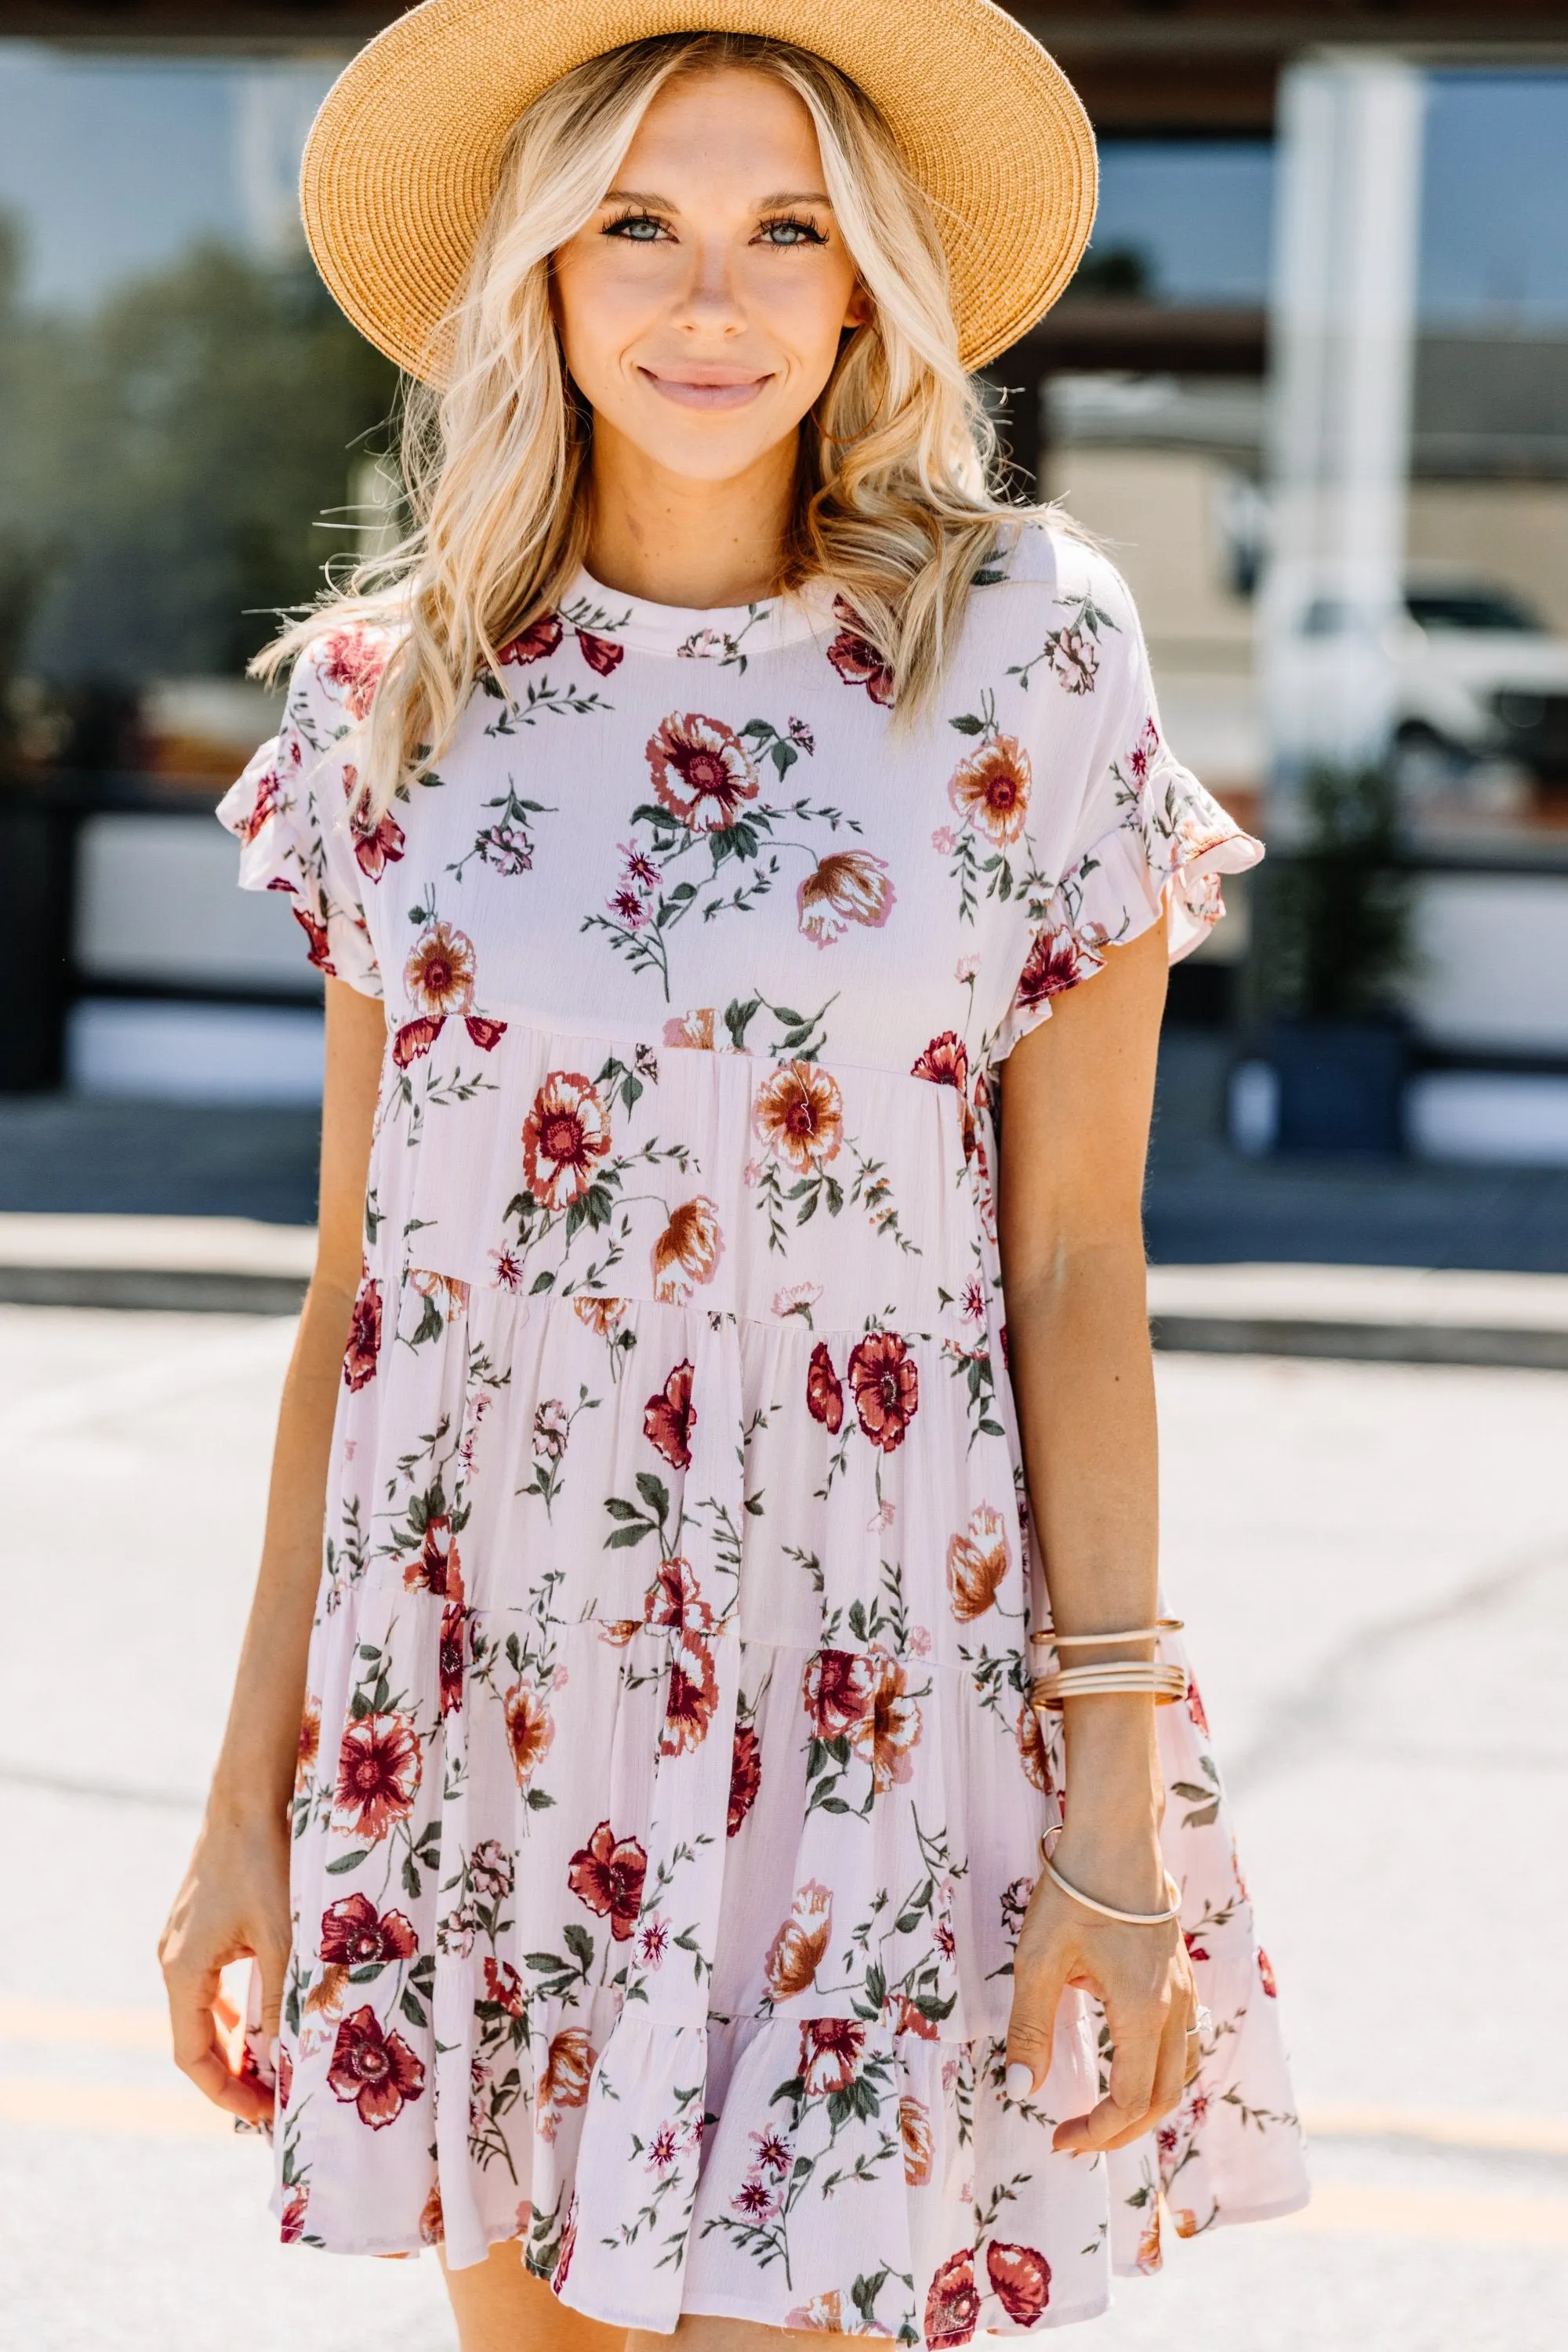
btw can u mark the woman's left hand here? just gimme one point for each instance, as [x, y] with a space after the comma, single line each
[1140, 1976]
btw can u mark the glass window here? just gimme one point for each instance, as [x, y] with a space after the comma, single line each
[1182, 220]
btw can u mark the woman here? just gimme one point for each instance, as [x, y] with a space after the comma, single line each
[697, 826]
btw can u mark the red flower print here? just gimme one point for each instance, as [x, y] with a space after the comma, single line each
[452, 1657]
[798, 1951]
[668, 1419]
[745, 1777]
[911, 2019]
[364, 1337]
[533, 644]
[1266, 1974]
[607, 1874]
[1032, 1750]
[291, 2223]
[976, 1563]
[847, 886]
[799, 1114]
[1058, 962]
[702, 773]
[688, 1250]
[377, 846]
[836, 1690]
[504, 1987]
[601, 654]
[824, 1396]
[568, 2248]
[564, 1137]
[754, 2201]
[992, 790]
[378, 1773]
[914, 2130]
[887, 1385]
[890, 1728]
[952, 2306]
[691, 1698]
[439, 973]
[436, 1567]
[353, 1935]
[530, 1728]
[1195, 1709]
[485, 1035]
[946, 1063]
[375, 2072]
[432, 2223]
[675, 1599]
[830, 2050]
[353, 662]
[856, 659]
[1020, 2280]
[415, 1039]
[320, 947]
[568, 2071]
[269, 796]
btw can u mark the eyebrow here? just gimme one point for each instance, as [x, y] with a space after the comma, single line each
[764, 203]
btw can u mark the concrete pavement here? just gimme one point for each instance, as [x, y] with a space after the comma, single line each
[1373, 1564]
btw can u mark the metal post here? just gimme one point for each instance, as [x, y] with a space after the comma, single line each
[1344, 315]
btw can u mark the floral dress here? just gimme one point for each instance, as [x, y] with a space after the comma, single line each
[669, 1794]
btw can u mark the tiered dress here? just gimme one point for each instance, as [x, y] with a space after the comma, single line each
[669, 1796]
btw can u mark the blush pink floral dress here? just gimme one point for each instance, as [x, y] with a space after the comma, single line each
[669, 1795]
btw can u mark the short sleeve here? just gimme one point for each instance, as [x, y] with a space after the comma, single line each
[1149, 840]
[289, 812]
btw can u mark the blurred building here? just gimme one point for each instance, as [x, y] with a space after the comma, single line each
[189, 431]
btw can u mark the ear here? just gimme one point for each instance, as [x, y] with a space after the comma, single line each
[859, 307]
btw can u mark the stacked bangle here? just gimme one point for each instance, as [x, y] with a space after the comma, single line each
[1110, 1677]
[1127, 1678]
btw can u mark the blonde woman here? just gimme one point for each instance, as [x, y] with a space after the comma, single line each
[697, 823]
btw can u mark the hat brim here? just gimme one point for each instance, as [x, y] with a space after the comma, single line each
[403, 160]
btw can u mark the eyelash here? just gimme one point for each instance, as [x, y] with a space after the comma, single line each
[808, 231]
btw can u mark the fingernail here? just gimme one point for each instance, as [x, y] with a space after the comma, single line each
[1019, 2081]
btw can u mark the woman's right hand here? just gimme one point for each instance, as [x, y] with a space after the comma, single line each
[233, 1903]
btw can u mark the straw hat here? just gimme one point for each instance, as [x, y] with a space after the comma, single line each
[403, 160]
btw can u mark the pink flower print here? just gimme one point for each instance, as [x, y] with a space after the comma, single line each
[664, 2148]
[509, 1270]
[797, 1298]
[640, 872]
[630, 908]
[774, 2154]
[755, 2200]
[692, 1030]
[352, 662]
[944, 841]
[374, 2071]
[652, 1943]
[848, 886]
[1142, 752]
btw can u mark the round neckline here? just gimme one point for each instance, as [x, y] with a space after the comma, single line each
[726, 634]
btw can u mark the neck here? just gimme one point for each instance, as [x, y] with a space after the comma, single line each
[672, 541]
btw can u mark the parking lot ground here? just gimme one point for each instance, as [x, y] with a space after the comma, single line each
[1373, 1561]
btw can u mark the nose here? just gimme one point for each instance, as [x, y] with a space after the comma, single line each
[710, 302]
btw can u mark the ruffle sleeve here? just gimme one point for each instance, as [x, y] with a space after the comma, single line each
[289, 811]
[1159, 841]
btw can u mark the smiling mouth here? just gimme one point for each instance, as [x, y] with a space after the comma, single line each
[707, 388]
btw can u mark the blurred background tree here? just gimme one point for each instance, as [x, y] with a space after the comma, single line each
[167, 463]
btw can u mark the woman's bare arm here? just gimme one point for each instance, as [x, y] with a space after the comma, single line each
[235, 1896]
[1077, 1098]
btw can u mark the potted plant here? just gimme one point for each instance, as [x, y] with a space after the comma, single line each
[1327, 1064]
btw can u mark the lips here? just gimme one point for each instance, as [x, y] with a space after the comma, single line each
[707, 387]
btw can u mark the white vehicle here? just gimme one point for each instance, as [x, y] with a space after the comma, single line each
[1480, 677]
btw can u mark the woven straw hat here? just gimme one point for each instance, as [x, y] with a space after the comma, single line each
[404, 157]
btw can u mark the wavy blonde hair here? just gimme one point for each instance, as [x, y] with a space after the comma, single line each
[896, 498]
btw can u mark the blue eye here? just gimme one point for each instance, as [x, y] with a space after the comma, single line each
[637, 228]
[788, 233]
